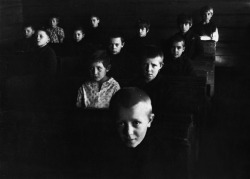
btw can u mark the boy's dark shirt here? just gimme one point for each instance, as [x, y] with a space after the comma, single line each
[122, 65]
[204, 29]
[79, 48]
[96, 37]
[136, 44]
[152, 158]
[26, 45]
[178, 67]
[158, 91]
[191, 43]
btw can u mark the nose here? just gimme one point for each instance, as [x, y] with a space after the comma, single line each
[130, 130]
[95, 71]
[149, 68]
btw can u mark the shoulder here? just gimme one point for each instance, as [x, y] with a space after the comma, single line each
[113, 82]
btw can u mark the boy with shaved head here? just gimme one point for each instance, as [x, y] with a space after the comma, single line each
[135, 152]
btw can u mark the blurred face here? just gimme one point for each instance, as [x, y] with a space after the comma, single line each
[95, 22]
[28, 32]
[207, 16]
[151, 68]
[177, 49]
[185, 27]
[54, 22]
[143, 32]
[115, 45]
[132, 123]
[98, 72]
[42, 38]
[78, 35]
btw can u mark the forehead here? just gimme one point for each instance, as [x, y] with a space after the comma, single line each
[94, 18]
[28, 28]
[178, 44]
[155, 60]
[139, 112]
[41, 32]
[54, 19]
[97, 64]
[210, 11]
[78, 31]
[116, 40]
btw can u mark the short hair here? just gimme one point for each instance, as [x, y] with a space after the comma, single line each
[54, 16]
[80, 28]
[100, 56]
[205, 9]
[95, 15]
[178, 38]
[128, 97]
[43, 29]
[150, 51]
[142, 23]
[117, 34]
[184, 18]
[29, 25]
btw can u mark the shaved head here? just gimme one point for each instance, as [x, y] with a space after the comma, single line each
[129, 97]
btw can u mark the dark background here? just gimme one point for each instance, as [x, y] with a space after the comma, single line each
[225, 146]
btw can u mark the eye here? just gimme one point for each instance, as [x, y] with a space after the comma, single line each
[120, 124]
[136, 123]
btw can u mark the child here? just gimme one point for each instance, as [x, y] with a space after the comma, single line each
[206, 29]
[185, 23]
[44, 60]
[97, 92]
[142, 37]
[78, 46]
[178, 64]
[149, 78]
[134, 152]
[96, 35]
[27, 44]
[122, 62]
[56, 33]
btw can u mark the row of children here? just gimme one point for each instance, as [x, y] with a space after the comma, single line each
[96, 37]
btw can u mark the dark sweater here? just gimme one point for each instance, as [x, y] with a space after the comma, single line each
[178, 67]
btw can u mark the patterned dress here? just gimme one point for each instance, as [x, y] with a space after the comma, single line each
[89, 95]
[56, 34]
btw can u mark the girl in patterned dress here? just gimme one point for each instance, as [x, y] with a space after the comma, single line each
[97, 92]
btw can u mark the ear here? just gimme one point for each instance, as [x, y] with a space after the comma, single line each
[162, 64]
[151, 118]
[108, 68]
[123, 43]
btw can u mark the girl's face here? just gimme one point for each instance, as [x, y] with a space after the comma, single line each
[42, 38]
[98, 72]
[78, 35]
[95, 22]
[207, 16]
[54, 22]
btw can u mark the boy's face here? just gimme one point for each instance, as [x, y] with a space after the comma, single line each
[42, 38]
[151, 67]
[177, 49]
[78, 35]
[207, 16]
[95, 22]
[132, 123]
[54, 22]
[28, 32]
[116, 45]
[184, 27]
[98, 71]
[143, 32]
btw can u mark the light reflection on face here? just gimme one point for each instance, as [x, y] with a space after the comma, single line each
[133, 123]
